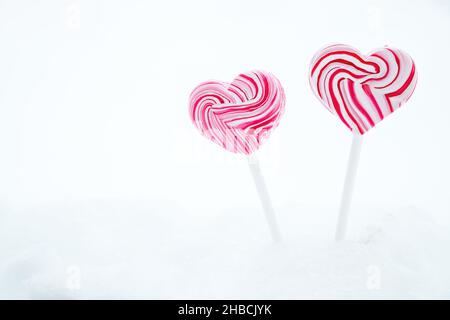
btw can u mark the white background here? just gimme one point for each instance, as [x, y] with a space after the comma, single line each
[101, 169]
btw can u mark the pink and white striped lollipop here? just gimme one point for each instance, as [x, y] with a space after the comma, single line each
[362, 90]
[238, 115]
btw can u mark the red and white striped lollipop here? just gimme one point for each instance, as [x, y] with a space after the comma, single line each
[362, 90]
[238, 115]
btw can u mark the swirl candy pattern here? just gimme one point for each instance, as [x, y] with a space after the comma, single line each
[362, 90]
[238, 115]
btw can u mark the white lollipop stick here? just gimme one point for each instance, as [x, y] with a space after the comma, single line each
[349, 185]
[264, 197]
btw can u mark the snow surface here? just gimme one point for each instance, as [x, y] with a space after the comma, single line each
[108, 191]
[130, 249]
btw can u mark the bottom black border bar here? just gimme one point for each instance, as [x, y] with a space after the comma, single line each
[210, 309]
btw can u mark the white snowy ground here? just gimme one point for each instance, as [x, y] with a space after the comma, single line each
[171, 254]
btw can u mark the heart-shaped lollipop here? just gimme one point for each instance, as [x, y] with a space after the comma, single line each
[362, 90]
[238, 115]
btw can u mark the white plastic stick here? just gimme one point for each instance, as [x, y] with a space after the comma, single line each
[264, 197]
[349, 184]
